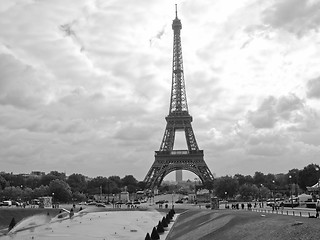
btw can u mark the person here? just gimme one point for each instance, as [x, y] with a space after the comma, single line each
[71, 213]
[317, 208]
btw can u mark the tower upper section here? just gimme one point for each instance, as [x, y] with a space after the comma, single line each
[178, 102]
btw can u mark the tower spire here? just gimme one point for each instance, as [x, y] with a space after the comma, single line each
[176, 12]
[178, 102]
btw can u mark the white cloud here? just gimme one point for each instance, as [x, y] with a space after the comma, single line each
[83, 90]
[295, 16]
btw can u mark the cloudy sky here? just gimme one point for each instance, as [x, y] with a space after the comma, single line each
[85, 84]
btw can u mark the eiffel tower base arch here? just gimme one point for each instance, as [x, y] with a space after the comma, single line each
[167, 162]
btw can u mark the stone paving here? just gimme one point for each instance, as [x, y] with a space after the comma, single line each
[90, 225]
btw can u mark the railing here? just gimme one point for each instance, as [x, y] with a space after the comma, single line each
[179, 152]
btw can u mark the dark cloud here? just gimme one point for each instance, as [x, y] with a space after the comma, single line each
[264, 116]
[288, 104]
[295, 16]
[313, 88]
[19, 84]
[158, 35]
[273, 111]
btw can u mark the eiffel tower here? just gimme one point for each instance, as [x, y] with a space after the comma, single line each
[179, 119]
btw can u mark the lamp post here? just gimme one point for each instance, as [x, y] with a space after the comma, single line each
[225, 196]
[172, 195]
[318, 170]
[108, 190]
[273, 192]
[53, 200]
[195, 190]
[100, 193]
[260, 194]
[290, 184]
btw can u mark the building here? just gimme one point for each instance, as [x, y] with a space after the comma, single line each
[37, 173]
[179, 176]
[118, 197]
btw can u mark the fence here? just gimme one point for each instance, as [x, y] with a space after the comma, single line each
[297, 213]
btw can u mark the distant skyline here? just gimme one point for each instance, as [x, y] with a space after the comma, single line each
[85, 84]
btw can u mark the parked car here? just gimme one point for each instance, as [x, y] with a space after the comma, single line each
[7, 203]
[270, 202]
[161, 202]
[100, 205]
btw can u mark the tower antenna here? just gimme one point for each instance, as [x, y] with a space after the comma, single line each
[176, 12]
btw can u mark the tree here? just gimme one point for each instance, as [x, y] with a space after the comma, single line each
[33, 182]
[147, 237]
[281, 181]
[40, 191]
[264, 192]
[61, 190]
[97, 184]
[294, 173]
[12, 224]
[164, 188]
[208, 185]
[46, 179]
[27, 194]
[117, 180]
[259, 178]
[141, 185]
[79, 196]
[13, 193]
[226, 187]
[309, 176]
[3, 183]
[164, 222]
[154, 234]
[248, 191]
[269, 181]
[241, 179]
[59, 175]
[130, 182]
[160, 228]
[77, 182]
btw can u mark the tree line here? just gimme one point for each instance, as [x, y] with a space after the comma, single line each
[78, 187]
[262, 186]
[75, 187]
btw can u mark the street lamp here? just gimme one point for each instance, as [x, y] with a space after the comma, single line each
[172, 199]
[225, 193]
[273, 192]
[291, 191]
[318, 170]
[53, 200]
[260, 194]
[108, 190]
[100, 193]
[195, 189]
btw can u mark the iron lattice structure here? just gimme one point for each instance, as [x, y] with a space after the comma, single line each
[179, 119]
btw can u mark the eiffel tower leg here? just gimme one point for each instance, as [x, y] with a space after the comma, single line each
[191, 139]
[168, 139]
[155, 175]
